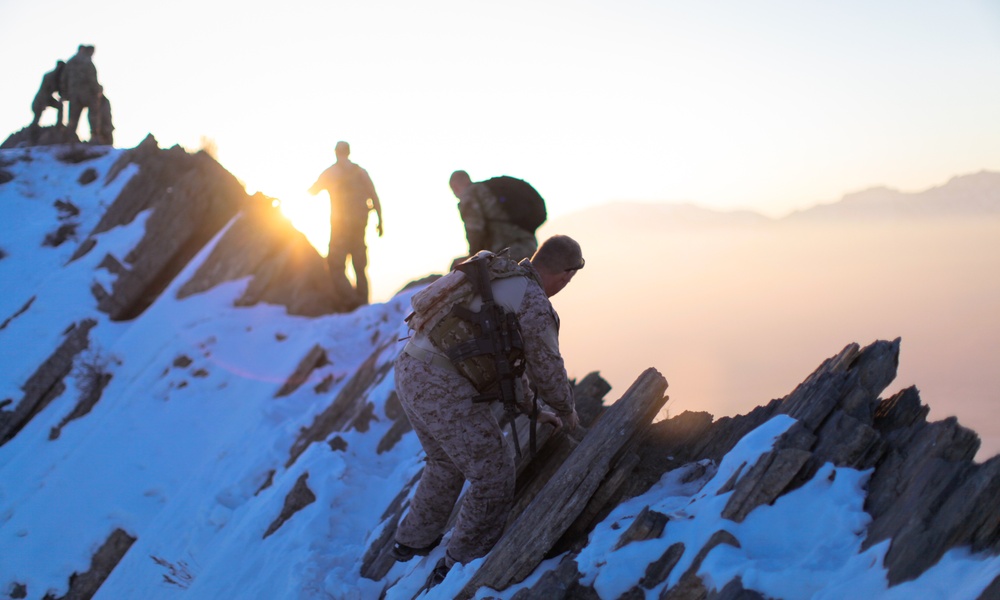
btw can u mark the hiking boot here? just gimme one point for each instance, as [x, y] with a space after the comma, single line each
[403, 553]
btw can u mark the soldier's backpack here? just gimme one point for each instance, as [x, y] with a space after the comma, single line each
[486, 346]
[524, 206]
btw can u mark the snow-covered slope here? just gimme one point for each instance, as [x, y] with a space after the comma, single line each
[186, 461]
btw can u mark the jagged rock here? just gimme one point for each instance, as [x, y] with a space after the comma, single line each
[377, 559]
[526, 541]
[734, 590]
[362, 422]
[844, 440]
[191, 196]
[658, 570]
[900, 413]
[88, 176]
[314, 359]
[66, 209]
[400, 424]
[297, 499]
[46, 382]
[850, 381]
[94, 386]
[915, 491]
[605, 498]
[647, 525]
[765, 481]
[42, 136]
[560, 583]
[346, 406]
[690, 586]
[75, 154]
[284, 267]
[61, 234]
[325, 385]
[925, 494]
[17, 314]
[686, 438]
[84, 585]
[592, 387]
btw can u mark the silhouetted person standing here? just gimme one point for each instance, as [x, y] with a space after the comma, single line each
[352, 196]
[43, 99]
[78, 84]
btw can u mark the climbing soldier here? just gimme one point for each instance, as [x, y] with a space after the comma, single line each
[441, 382]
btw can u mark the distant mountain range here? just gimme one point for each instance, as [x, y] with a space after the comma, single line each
[962, 196]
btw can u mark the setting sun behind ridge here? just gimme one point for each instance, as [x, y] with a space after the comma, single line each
[311, 216]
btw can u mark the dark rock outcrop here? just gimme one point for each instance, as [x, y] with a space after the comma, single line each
[46, 382]
[297, 499]
[283, 266]
[84, 585]
[191, 197]
[925, 493]
[40, 136]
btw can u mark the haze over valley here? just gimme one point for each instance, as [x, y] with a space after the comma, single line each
[736, 309]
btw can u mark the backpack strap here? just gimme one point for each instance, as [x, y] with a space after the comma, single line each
[499, 336]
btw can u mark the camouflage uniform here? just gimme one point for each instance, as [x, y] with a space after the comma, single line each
[80, 86]
[43, 99]
[487, 226]
[350, 189]
[462, 439]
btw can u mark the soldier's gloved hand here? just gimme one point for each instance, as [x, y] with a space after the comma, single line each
[545, 416]
[379, 228]
[571, 421]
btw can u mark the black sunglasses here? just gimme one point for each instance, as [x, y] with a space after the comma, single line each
[582, 262]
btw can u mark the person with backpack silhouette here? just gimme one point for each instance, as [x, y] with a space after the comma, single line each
[352, 197]
[79, 86]
[446, 387]
[501, 212]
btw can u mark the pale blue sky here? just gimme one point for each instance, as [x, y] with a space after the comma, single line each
[766, 105]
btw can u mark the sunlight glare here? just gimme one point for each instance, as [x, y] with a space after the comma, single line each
[311, 216]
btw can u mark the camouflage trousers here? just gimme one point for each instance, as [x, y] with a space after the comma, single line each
[348, 241]
[462, 441]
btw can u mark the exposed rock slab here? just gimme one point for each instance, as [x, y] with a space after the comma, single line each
[40, 136]
[191, 197]
[84, 585]
[524, 544]
[46, 382]
[283, 267]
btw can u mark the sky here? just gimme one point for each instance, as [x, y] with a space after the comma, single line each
[176, 452]
[772, 105]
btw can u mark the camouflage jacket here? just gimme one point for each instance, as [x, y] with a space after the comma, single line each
[487, 226]
[79, 79]
[539, 325]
